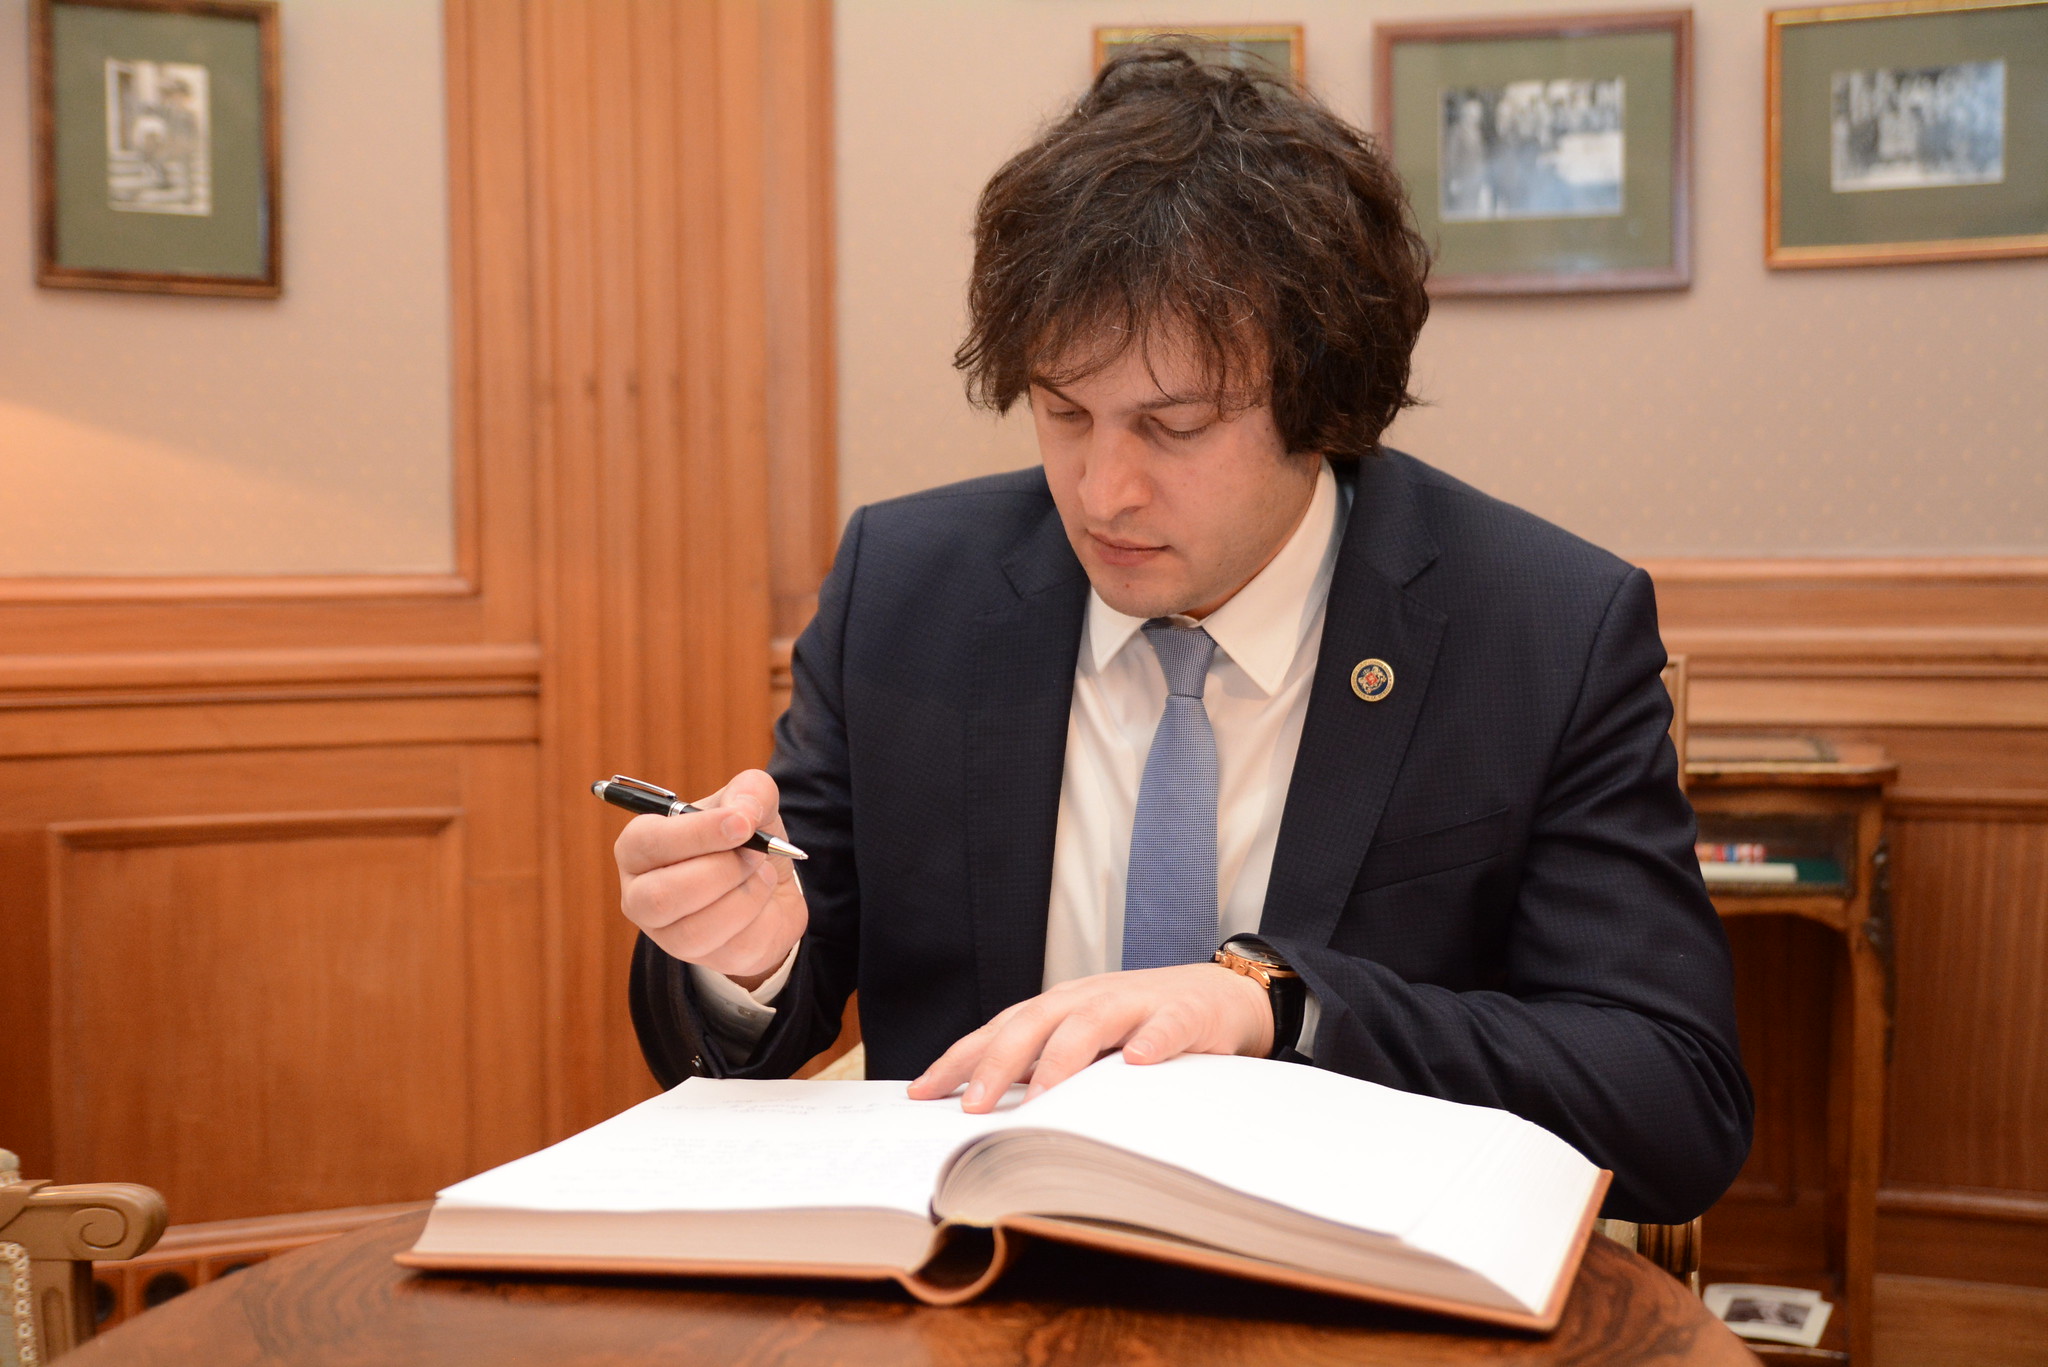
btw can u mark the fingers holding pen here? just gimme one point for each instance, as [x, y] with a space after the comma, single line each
[725, 820]
[701, 932]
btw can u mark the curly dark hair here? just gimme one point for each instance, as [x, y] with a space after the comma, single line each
[1222, 207]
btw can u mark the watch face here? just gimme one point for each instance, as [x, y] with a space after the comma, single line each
[1256, 952]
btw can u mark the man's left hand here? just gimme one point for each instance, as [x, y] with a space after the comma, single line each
[1152, 1014]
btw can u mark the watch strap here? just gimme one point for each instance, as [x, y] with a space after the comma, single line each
[1286, 994]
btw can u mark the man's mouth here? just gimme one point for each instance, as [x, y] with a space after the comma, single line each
[1123, 553]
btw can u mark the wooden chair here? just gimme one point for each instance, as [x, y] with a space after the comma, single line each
[50, 1236]
[1675, 1248]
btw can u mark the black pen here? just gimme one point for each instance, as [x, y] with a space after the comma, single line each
[649, 800]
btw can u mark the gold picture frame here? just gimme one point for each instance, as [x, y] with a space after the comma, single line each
[1832, 70]
[193, 206]
[1238, 41]
[1639, 237]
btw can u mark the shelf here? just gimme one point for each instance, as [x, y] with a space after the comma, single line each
[1815, 807]
[1785, 761]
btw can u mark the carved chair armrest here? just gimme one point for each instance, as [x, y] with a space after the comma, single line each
[61, 1232]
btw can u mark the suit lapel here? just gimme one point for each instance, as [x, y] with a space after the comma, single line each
[1023, 686]
[1351, 749]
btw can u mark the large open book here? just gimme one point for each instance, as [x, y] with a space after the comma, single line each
[1267, 1170]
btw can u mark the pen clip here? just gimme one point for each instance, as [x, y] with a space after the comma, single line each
[636, 785]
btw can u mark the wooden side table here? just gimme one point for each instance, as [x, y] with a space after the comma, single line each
[1820, 807]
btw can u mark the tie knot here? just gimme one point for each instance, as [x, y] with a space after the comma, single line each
[1184, 653]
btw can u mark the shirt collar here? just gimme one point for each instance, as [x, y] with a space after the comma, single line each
[1262, 625]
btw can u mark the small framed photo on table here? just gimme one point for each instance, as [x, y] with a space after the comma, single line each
[1277, 47]
[1905, 132]
[1544, 154]
[157, 145]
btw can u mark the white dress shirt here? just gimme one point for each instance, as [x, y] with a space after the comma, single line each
[1267, 638]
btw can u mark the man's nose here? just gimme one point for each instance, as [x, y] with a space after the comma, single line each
[1114, 480]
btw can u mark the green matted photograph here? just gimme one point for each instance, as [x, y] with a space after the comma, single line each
[1544, 154]
[1276, 46]
[157, 145]
[1906, 132]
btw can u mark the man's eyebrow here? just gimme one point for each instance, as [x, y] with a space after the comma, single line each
[1150, 405]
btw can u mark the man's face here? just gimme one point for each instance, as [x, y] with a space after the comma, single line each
[1172, 504]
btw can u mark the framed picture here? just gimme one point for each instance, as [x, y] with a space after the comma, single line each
[1906, 132]
[156, 145]
[1277, 46]
[1544, 154]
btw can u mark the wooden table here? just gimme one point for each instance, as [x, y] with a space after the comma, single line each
[346, 1302]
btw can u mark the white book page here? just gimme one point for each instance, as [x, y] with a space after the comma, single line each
[1515, 1216]
[1348, 1151]
[729, 1144]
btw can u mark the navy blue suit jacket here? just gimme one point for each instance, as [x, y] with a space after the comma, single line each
[1486, 878]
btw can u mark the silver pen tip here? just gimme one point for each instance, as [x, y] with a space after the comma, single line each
[785, 849]
[599, 787]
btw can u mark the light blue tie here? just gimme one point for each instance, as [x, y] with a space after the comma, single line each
[1170, 894]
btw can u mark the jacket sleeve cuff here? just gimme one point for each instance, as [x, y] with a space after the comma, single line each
[738, 1015]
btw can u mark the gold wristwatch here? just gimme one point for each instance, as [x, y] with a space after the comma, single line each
[1285, 992]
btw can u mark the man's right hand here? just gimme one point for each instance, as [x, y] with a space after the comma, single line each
[686, 883]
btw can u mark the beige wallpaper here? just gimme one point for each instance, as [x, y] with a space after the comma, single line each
[1867, 411]
[156, 435]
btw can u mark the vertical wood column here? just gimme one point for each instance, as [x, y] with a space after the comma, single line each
[642, 128]
[648, 216]
[802, 377]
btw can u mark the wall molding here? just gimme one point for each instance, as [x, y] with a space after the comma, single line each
[2022, 570]
[304, 723]
[240, 828]
[1966, 1203]
[2028, 805]
[185, 588]
[1837, 700]
[262, 675]
[1946, 652]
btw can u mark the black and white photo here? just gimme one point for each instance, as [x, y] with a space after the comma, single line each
[1914, 128]
[158, 158]
[1776, 1314]
[1758, 1310]
[1532, 149]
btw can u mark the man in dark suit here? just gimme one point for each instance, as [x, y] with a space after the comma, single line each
[1397, 747]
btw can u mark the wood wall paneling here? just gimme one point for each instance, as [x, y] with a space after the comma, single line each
[802, 409]
[1972, 937]
[231, 1003]
[1945, 664]
[232, 991]
[305, 899]
[648, 193]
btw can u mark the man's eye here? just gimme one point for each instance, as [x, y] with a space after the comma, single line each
[1063, 414]
[1178, 434]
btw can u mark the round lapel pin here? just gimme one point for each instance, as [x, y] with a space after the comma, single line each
[1372, 680]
